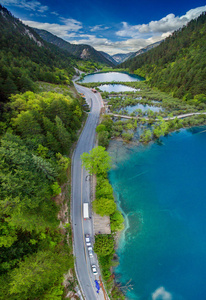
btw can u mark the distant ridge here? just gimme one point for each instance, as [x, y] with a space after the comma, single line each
[109, 57]
[82, 51]
[121, 57]
[145, 49]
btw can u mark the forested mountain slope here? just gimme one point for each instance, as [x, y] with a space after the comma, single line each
[178, 64]
[85, 52]
[26, 58]
[109, 57]
[145, 49]
[37, 130]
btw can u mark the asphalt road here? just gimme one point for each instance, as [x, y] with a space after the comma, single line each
[80, 194]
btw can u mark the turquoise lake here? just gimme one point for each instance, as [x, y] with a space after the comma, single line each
[110, 76]
[161, 189]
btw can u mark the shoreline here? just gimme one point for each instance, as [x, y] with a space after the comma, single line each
[200, 129]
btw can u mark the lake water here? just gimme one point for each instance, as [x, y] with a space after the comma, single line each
[144, 108]
[161, 190]
[110, 76]
[117, 88]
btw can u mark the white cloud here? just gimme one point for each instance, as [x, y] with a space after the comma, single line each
[103, 44]
[133, 37]
[54, 13]
[28, 5]
[163, 26]
[98, 27]
[161, 294]
[67, 30]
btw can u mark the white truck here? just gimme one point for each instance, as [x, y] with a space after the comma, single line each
[86, 211]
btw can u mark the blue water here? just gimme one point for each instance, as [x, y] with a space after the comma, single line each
[161, 190]
[110, 76]
[117, 88]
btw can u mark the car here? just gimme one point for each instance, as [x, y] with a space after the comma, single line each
[88, 240]
[94, 269]
[90, 251]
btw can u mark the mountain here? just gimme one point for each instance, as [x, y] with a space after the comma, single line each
[121, 57]
[85, 52]
[25, 58]
[144, 50]
[37, 130]
[109, 57]
[178, 64]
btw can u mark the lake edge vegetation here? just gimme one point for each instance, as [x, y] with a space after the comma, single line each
[98, 163]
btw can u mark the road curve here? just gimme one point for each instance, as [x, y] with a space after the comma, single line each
[80, 194]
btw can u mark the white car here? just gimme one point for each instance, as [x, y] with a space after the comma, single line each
[87, 240]
[94, 269]
[90, 251]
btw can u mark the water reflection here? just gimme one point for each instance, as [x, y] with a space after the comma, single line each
[116, 88]
[110, 76]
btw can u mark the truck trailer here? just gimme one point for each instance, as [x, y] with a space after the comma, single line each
[86, 211]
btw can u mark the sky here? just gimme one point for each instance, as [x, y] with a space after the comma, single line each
[112, 26]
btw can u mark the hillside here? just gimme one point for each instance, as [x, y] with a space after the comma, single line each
[37, 131]
[109, 57]
[85, 52]
[178, 64]
[144, 50]
[26, 58]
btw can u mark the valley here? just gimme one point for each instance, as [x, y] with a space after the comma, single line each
[116, 125]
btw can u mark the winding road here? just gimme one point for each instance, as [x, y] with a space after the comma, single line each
[80, 194]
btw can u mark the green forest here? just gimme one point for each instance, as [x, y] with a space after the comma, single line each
[178, 64]
[39, 124]
[34, 161]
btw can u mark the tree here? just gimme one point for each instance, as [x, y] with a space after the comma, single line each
[104, 206]
[103, 188]
[63, 135]
[104, 244]
[100, 128]
[56, 189]
[146, 136]
[26, 124]
[42, 151]
[38, 274]
[116, 221]
[127, 136]
[103, 138]
[107, 121]
[161, 128]
[97, 161]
